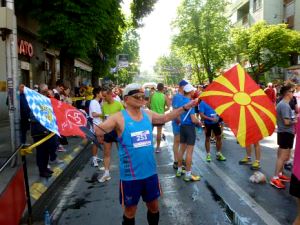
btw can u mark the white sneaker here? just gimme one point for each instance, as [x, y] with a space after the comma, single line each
[61, 149]
[104, 178]
[95, 162]
[56, 161]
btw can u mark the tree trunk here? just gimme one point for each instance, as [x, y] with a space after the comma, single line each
[67, 69]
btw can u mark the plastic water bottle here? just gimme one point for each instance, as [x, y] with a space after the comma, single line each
[47, 218]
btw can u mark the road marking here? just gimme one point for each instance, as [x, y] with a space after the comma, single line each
[246, 198]
[65, 197]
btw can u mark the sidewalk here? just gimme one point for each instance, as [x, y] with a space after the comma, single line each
[38, 186]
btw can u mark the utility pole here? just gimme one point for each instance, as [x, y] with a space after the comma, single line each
[10, 37]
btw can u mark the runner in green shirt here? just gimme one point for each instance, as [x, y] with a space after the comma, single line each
[159, 103]
[110, 106]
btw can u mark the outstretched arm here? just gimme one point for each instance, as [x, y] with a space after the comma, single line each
[161, 119]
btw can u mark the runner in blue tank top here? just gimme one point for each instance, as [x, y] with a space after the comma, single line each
[138, 174]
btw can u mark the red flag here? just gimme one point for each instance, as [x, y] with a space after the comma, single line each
[245, 108]
[68, 118]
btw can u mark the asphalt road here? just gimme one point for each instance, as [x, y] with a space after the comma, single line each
[223, 196]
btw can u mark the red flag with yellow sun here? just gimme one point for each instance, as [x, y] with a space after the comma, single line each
[244, 107]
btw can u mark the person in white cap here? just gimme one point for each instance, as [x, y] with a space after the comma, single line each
[187, 135]
[138, 173]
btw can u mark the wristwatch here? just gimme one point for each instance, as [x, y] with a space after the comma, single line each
[185, 109]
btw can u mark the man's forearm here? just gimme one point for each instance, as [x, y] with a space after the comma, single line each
[173, 114]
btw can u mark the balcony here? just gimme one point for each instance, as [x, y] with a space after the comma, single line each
[243, 22]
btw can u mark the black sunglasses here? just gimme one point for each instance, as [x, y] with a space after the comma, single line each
[138, 96]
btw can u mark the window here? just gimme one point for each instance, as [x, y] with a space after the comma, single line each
[256, 5]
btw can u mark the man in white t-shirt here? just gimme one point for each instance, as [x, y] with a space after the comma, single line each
[95, 112]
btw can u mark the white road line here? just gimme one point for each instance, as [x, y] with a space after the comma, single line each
[246, 198]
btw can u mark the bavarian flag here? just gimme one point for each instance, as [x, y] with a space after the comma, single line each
[56, 116]
[244, 107]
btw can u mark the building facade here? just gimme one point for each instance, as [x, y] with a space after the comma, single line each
[36, 63]
[245, 13]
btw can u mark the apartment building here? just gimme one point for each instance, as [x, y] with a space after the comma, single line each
[248, 12]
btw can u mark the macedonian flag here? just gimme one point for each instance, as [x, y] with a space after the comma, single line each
[244, 107]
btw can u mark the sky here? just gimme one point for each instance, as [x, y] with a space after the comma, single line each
[156, 34]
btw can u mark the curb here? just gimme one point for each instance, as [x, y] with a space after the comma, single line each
[43, 193]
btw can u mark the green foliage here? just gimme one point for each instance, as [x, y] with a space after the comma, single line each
[265, 46]
[140, 9]
[203, 38]
[171, 68]
[79, 29]
[107, 42]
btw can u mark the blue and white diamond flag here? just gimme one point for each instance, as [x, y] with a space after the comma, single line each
[42, 110]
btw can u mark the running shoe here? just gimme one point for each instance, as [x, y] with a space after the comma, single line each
[284, 178]
[221, 157]
[277, 183]
[191, 178]
[255, 165]
[95, 162]
[104, 178]
[208, 158]
[179, 173]
[245, 161]
[61, 148]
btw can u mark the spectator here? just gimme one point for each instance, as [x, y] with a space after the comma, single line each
[25, 115]
[271, 93]
[285, 135]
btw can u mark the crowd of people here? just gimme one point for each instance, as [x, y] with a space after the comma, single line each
[127, 118]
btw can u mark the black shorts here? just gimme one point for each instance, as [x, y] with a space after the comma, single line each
[196, 109]
[295, 186]
[215, 127]
[285, 140]
[187, 134]
[110, 137]
[158, 125]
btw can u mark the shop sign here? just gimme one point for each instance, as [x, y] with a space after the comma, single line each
[25, 48]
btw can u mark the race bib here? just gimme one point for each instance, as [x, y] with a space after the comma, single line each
[141, 139]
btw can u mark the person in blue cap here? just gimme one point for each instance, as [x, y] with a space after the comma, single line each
[176, 102]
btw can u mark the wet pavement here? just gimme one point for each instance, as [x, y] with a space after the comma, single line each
[223, 196]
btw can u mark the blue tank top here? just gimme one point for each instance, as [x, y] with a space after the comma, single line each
[136, 150]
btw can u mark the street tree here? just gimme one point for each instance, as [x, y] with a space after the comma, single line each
[203, 34]
[171, 68]
[265, 46]
[73, 27]
[140, 9]
[103, 54]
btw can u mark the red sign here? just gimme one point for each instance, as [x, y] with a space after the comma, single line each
[25, 48]
[13, 200]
